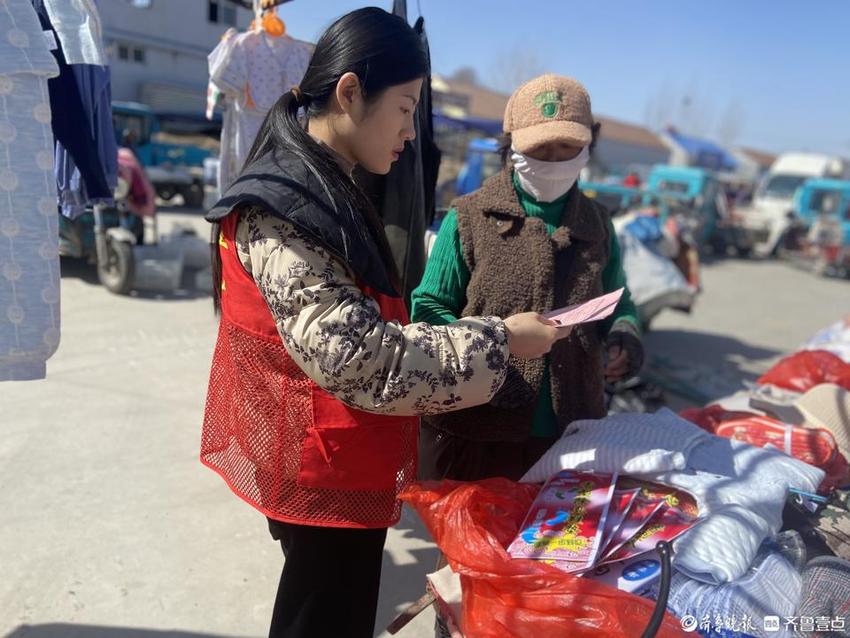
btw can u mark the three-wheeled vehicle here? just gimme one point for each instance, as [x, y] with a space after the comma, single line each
[696, 196]
[105, 235]
[616, 198]
[819, 236]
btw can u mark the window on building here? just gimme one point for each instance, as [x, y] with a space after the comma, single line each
[221, 12]
[130, 53]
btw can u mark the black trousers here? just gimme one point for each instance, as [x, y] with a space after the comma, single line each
[330, 581]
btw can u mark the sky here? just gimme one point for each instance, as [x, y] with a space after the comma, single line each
[771, 75]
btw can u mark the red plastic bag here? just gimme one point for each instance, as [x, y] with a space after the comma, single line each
[804, 370]
[472, 523]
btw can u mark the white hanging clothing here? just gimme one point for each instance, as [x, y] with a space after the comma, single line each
[253, 70]
[77, 23]
[29, 233]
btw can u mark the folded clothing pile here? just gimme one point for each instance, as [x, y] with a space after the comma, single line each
[771, 587]
[740, 490]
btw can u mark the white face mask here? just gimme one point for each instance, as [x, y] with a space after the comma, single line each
[547, 181]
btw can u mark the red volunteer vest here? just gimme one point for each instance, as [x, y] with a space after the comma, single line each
[283, 444]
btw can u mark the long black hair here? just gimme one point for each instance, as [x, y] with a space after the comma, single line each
[383, 51]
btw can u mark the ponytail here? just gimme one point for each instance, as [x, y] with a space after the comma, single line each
[383, 51]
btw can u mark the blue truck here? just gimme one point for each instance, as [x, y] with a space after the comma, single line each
[820, 233]
[174, 169]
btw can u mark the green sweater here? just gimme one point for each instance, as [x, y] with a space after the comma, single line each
[441, 296]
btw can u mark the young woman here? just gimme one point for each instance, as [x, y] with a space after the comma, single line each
[316, 381]
[529, 240]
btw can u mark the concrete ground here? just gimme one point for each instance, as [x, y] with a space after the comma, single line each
[111, 528]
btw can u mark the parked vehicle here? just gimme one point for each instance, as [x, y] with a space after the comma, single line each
[482, 161]
[172, 168]
[617, 198]
[820, 236]
[771, 215]
[106, 235]
[697, 198]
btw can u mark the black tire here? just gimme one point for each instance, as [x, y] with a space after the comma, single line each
[166, 192]
[118, 273]
[193, 196]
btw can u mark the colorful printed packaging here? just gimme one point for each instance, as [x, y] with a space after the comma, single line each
[657, 492]
[617, 512]
[665, 525]
[567, 520]
[639, 514]
[637, 575]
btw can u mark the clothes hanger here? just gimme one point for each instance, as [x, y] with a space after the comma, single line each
[272, 24]
[266, 18]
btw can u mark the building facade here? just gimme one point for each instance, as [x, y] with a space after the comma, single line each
[158, 48]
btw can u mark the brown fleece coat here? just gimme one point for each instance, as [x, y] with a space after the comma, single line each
[516, 266]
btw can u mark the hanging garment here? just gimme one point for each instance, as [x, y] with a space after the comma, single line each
[77, 24]
[740, 489]
[254, 71]
[70, 122]
[69, 183]
[405, 197]
[29, 253]
[94, 85]
[227, 167]
[214, 59]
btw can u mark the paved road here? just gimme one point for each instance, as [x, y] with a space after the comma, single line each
[112, 529]
[750, 314]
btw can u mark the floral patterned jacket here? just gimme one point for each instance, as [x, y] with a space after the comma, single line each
[335, 332]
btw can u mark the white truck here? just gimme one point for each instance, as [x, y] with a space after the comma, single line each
[772, 210]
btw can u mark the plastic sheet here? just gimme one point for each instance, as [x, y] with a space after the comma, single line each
[472, 523]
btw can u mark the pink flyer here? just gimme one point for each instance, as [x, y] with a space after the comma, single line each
[593, 310]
